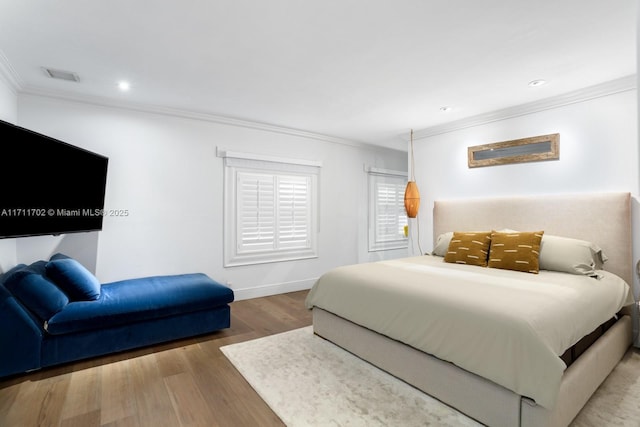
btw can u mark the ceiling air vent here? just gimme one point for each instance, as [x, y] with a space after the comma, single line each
[61, 74]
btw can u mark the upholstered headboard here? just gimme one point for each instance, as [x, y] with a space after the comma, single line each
[602, 218]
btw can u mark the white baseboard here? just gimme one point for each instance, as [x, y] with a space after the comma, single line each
[274, 289]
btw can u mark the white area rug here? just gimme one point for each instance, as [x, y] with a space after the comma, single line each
[308, 381]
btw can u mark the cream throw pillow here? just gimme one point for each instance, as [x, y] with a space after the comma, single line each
[571, 255]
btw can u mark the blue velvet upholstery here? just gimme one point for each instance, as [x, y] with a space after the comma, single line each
[59, 256]
[137, 300]
[36, 292]
[20, 336]
[127, 314]
[74, 279]
[57, 349]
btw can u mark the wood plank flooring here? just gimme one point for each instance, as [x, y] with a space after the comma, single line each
[182, 383]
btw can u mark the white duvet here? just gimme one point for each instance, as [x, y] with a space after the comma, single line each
[509, 327]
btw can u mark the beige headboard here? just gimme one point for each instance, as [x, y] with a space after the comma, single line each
[602, 218]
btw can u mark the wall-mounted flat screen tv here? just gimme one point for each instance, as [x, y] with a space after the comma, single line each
[48, 186]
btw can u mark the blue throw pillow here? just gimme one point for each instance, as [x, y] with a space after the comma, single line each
[74, 279]
[59, 255]
[5, 276]
[36, 292]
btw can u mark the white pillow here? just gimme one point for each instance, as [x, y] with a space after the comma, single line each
[442, 244]
[569, 255]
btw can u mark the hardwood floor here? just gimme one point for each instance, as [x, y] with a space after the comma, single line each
[183, 383]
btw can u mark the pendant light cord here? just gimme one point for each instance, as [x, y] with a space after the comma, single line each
[418, 229]
[413, 165]
[413, 178]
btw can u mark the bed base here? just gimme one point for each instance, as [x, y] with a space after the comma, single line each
[474, 396]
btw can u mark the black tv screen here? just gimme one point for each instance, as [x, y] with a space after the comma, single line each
[49, 186]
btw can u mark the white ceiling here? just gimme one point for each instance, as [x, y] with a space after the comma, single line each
[360, 70]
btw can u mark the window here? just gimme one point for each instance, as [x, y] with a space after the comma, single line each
[270, 208]
[387, 216]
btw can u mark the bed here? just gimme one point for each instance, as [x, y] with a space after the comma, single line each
[505, 347]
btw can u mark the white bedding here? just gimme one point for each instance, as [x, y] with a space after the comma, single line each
[509, 327]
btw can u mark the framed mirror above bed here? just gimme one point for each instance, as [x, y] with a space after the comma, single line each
[533, 149]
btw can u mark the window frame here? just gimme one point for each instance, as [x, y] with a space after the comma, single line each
[375, 243]
[241, 167]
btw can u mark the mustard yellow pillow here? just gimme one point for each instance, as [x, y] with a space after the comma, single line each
[518, 250]
[469, 247]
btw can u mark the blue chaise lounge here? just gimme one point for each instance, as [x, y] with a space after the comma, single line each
[56, 311]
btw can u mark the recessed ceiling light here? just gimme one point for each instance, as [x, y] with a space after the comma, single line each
[446, 109]
[538, 82]
[124, 86]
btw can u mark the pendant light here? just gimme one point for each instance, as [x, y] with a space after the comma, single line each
[411, 193]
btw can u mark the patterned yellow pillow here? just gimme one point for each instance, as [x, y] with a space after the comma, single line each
[469, 247]
[518, 250]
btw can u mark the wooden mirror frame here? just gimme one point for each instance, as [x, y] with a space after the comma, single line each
[533, 149]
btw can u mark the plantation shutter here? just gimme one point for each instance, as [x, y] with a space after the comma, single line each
[390, 214]
[293, 212]
[387, 215]
[256, 212]
[273, 211]
[269, 209]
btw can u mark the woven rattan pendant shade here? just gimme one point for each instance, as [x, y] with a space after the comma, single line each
[412, 199]
[411, 193]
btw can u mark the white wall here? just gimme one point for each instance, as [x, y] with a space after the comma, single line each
[8, 113]
[164, 171]
[8, 102]
[598, 152]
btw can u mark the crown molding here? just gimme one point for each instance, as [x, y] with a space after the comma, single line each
[213, 118]
[622, 84]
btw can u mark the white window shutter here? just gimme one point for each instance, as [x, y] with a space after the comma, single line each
[256, 212]
[387, 215]
[389, 221]
[269, 209]
[294, 216]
